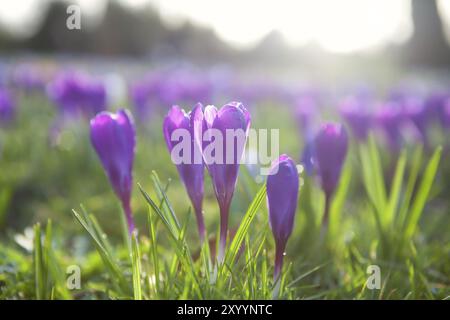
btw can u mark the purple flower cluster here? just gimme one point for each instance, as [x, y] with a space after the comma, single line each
[159, 90]
[199, 123]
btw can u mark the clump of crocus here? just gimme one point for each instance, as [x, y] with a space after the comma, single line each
[357, 115]
[190, 166]
[331, 146]
[222, 155]
[114, 139]
[7, 107]
[282, 194]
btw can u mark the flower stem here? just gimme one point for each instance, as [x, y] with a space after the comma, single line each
[224, 211]
[129, 216]
[278, 267]
[326, 211]
[279, 254]
[200, 224]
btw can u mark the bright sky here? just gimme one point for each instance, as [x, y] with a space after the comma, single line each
[338, 26]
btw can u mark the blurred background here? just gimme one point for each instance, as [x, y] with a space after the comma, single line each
[316, 39]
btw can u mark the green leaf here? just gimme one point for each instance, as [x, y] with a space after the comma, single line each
[339, 200]
[389, 214]
[422, 194]
[416, 164]
[377, 170]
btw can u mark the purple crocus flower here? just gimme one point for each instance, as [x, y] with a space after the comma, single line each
[191, 171]
[357, 115]
[114, 139]
[7, 107]
[331, 145]
[282, 195]
[222, 155]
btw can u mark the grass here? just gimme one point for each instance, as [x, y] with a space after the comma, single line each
[396, 219]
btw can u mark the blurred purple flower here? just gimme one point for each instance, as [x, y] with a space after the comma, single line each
[282, 195]
[223, 167]
[414, 110]
[7, 107]
[331, 146]
[308, 157]
[306, 113]
[77, 94]
[434, 105]
[162, 89]
[114, 139]
[191, 173]
[390, 119]
[357, 115]
[447, 114]
[28, 78]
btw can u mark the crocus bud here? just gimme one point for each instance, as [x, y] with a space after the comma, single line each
[282, 195]
[7, 107]
[114, 139]
[223, 144]
[331, 148]
[178, 124]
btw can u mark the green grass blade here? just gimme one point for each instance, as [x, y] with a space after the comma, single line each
[111, 266]
[163, 197]
[394, 195]
[153, 251]
[339, 200]
[416, 164]
[422, 194]
[179, 243]
[39, 268]
[136, 267]
[174, 232]
[377, 170]
[244, 226]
